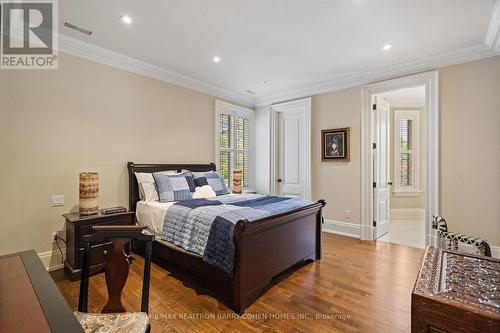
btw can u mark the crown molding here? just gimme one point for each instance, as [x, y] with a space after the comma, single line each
[405, 68]
[98, 54]
[101, 55]
[492, 39]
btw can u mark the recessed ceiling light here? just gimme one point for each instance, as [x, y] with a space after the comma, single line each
[386, 47]
[126, 19]
[217, 59]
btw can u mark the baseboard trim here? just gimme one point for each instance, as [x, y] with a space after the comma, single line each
[495, 251]
[52, 260]
[342, 228]
[433, 241]
[407, 214]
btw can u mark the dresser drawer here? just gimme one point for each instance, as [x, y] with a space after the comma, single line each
[98, 253]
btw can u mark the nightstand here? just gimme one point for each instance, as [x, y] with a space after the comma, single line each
[78, 226]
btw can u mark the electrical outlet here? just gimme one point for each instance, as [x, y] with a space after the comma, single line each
[53, 237]
[348, 213]
[57, 200]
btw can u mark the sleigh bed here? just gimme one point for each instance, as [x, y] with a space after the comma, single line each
[263, 248]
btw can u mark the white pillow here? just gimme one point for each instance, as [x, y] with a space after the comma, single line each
[205, 191]
[147, 186]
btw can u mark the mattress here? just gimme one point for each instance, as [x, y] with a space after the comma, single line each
[151, 214]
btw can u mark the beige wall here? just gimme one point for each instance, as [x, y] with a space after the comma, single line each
[91, 117]
[417, 201]
[337, 182]
[86, 117]
[470, 149]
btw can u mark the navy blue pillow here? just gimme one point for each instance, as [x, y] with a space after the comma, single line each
[214, 179]
[201, 181]
[190, 181]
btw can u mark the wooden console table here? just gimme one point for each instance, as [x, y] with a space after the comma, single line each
[29, 299]
[456, 292]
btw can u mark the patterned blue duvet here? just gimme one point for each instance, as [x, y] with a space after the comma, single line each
[206, 226]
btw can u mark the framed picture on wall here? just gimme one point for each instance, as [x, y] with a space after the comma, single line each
[335, 144]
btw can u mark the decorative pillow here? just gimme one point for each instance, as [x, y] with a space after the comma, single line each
[172, 187]
[147, 186]
[214, 179]
[205, 191]
[190, 180]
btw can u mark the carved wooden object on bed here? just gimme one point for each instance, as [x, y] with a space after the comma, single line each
[263, 248]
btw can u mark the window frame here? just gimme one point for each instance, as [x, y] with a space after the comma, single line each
[222, 107]
[414, 189]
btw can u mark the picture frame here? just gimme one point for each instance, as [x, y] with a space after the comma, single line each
[335, 144]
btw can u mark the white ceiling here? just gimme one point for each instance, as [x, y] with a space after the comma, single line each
[406, 97]
[292, 44]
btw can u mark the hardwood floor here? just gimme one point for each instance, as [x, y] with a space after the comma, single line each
[358, 286]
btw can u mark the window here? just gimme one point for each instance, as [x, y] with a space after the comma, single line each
[234, 145]
[406, 151]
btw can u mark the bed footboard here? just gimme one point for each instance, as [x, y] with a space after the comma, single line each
[267, 247]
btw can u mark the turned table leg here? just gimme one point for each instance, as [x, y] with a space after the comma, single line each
[116, 275]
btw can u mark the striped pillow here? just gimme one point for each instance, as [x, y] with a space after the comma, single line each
[174, 187]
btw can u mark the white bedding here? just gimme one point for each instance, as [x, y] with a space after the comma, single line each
[152, 214]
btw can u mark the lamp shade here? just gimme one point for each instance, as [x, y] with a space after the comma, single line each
[89, 193]
[237, 180]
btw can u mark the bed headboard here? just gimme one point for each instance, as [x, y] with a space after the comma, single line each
[133, 187]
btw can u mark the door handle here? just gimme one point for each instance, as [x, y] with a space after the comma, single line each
[279, 180]
[389, 183]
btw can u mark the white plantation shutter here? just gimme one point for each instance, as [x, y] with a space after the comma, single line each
[226, 135]
[242, 148]
[406, 150]
[234, 144]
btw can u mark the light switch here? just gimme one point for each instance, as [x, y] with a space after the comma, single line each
[348, 213]
[57, 200]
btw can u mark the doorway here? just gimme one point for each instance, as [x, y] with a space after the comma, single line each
[290, 148]
[383, 162]
[399, 161]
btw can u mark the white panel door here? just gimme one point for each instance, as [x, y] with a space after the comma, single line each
[291, 159]
[381, 192]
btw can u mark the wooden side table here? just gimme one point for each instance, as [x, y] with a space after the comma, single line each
[78, 226]
[456, 292]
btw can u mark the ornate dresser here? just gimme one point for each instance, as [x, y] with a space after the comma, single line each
[456, 292]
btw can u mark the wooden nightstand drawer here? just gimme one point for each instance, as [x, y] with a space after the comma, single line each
[98, 253]
[78, 226]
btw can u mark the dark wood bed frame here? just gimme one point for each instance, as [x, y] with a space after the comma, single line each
[263, 248]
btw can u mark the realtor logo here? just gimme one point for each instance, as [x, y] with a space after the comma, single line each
[28, 35]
